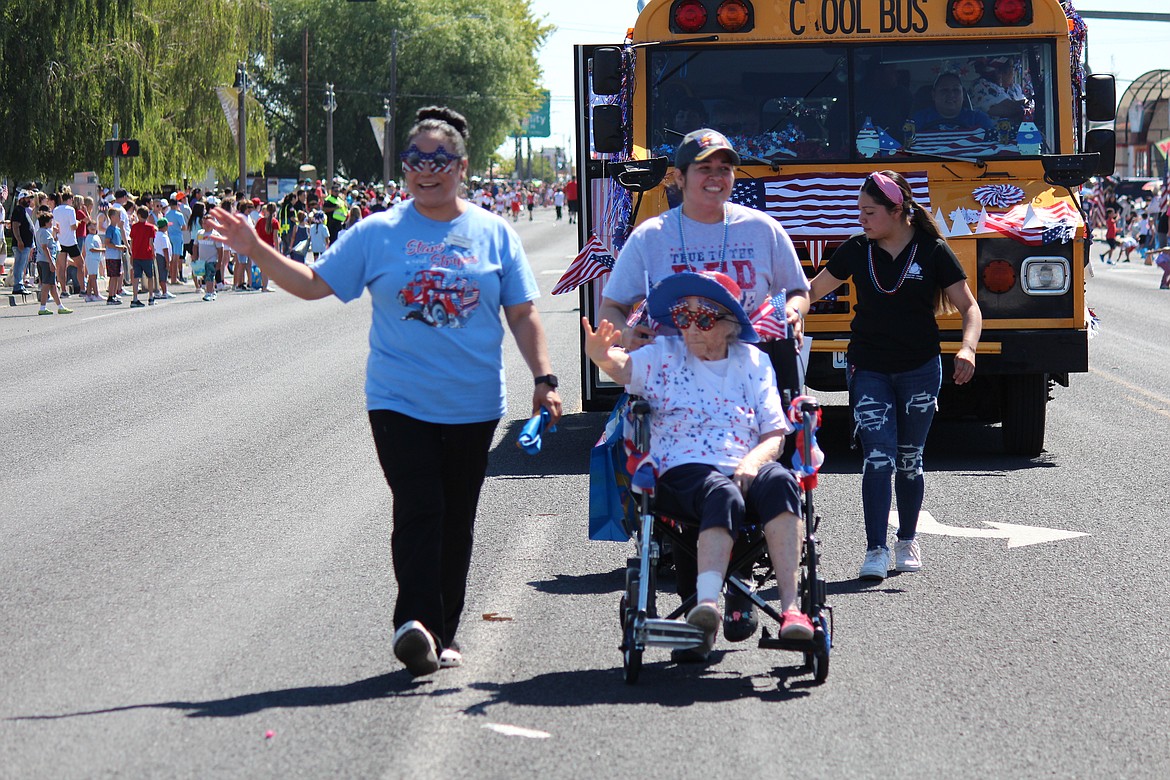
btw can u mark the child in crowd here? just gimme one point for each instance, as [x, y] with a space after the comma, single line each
[47, 251]
[1162, 260]
[318, 234]
[207, 256]
[162, 259]
[94, 255]
[142, 235]
[299, 241]
[1110, 234]
[115, 243]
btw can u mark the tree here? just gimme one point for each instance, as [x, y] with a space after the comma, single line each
[148, 65]
[477, 57]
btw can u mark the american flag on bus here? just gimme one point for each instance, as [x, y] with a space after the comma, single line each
[769, 319]
[816, 207]
[965, 142]
[593, 261]
[1037, 225]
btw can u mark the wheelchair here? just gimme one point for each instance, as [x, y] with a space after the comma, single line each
[748, 571]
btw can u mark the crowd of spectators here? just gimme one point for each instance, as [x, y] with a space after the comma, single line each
[67, 246]
[1127, 222]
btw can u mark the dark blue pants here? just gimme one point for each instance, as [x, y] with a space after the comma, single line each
[892, 414]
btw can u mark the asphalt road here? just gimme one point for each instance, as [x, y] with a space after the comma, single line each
[195, 582]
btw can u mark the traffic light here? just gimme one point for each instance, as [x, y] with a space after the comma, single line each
[122, 147]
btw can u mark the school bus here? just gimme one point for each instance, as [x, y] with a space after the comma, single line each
[816, 94]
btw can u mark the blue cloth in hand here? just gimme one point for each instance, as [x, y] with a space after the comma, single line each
[530, 434]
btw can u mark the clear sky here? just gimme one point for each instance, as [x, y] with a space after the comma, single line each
[1126, 49]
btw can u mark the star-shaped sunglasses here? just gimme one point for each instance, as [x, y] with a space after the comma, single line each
[704, 318]
[439, 161]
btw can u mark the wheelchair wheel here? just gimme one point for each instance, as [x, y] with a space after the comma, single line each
[631, 656]
[817, 661]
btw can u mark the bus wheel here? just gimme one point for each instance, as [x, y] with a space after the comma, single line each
[1024, 400]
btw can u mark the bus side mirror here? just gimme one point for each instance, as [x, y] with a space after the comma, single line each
[608, 137]
[607, 70]
[1104, 142]
[1100, 98]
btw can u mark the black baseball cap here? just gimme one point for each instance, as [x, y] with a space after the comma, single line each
[700, 144]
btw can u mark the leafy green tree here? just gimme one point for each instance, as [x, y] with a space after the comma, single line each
[150, 66]
[477, 57]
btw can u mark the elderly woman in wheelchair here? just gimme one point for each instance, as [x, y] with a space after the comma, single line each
[717, 427]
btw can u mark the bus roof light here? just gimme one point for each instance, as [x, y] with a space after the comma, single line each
[967, 12]
[1013, 12]
[690, 16]
[732, 15]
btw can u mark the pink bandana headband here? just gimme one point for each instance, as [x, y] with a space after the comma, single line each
[888, 186]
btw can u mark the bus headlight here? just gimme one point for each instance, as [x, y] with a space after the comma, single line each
[1045, 275]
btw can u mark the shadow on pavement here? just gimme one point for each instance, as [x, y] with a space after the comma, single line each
[564, 452]
[596, 584]
[662, 683]
[392, 685]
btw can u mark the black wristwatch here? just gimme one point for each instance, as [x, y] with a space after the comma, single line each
[548, 379]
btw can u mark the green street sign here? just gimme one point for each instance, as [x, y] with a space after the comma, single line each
[538, 124]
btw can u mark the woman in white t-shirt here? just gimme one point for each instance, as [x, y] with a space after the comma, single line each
[717, 427]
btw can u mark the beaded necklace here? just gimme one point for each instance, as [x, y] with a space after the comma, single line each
[873, 273]
[722, 254]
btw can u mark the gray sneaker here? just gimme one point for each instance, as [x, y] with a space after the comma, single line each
[876, 564]
[907, 555]
[707, 618]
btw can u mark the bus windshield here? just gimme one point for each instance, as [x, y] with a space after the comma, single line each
[811, 104]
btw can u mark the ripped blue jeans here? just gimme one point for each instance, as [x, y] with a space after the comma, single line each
[892, 414]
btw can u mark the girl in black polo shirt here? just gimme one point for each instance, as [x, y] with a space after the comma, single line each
[904, 274]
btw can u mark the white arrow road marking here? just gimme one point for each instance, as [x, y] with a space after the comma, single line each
[1017, 535]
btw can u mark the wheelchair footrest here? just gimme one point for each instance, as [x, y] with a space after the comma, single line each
[673, 633]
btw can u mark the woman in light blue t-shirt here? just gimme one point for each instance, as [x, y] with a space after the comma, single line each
[438, 271]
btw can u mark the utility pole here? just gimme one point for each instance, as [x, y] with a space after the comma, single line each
[242, 84]
[117, 165]
[330, 107]
[387, 161]
[305, 93]
[392, 108]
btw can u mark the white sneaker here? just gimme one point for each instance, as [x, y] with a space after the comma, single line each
[415, 648]
[450, 658]
[907, 555]
[876, 564]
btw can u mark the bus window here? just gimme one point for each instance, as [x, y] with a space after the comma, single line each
[773, 105]
[832, 103]
[987, 100]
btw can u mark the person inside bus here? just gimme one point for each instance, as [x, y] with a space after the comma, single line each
[883, 98]
[996, 92]
[948, 110]
[705, 232]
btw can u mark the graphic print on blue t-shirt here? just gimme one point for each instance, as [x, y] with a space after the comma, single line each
[439, 297]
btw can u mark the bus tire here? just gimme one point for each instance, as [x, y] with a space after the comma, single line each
[1024, 402]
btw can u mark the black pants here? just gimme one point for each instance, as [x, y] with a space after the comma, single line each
[435, 473]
